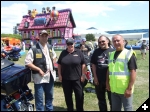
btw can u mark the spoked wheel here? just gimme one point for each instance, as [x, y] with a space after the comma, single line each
[30, 107]
[9, 58]
[15, 59]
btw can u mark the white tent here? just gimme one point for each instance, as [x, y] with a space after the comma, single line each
[97, 33]
[93, 30]
[129, 36]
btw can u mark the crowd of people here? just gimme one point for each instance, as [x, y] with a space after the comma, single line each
[113, 71]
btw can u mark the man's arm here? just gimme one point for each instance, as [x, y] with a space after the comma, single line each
[132, 79]
[132, 67]
[54, 56]
[59, 73]
[54, 53]
[59, 66]
[83, 72]
[128, 91]
[107, 80]
[94, 74]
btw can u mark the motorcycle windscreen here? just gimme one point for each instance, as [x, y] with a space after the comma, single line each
[6, 63]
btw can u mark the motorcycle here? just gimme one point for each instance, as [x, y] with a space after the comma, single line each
[14, 54]
[15, 93]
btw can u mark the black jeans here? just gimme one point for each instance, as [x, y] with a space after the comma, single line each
[100, 92]
[68, 87]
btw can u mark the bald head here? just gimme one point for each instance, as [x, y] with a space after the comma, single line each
[118, 36]
[118, 42]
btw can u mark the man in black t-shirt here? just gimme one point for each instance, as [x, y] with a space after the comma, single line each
[99, 62]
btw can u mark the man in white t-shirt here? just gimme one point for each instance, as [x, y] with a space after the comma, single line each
[40, 60]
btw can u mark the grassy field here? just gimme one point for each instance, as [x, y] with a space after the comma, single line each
[141, 92]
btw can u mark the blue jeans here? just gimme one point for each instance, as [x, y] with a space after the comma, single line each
[118, 100]
[47, 89]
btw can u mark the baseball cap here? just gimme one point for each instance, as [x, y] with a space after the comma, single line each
[43, 32]
[70, 40]
[84, 39]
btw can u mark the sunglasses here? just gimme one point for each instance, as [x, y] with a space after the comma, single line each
[69, 44]
[101, 42]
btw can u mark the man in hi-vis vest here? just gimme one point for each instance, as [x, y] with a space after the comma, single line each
[121, 75]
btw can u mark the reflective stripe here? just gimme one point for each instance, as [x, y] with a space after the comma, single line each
[126, 60]
[119, 73]
[102, 64]
[128, 53]
[121, 60]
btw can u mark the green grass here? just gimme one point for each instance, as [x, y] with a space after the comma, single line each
[141, 92]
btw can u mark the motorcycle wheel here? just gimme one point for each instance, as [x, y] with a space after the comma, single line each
[30, 107]
[9, 58]
[15, 59]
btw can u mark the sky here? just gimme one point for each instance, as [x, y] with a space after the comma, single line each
[102, 15]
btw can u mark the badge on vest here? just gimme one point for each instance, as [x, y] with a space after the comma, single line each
[38, 55]
[50, 50]
[75, 55]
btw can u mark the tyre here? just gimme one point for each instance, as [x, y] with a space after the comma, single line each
[9, 58]
[30, 107]
[15, 59]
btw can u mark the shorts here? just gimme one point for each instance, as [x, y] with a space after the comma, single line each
[143, 50]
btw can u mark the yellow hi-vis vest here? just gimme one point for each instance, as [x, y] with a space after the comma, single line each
[133, 52]
[119, 74]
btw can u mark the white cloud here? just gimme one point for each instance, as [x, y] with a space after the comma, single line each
[121, 3]
[141, 1]
[86, 8]
[82, 11]
[12, 15]
[37, 2]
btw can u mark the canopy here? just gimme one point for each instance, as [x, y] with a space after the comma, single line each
[11, 40]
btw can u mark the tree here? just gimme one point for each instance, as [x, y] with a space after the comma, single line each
[90, 37]
[12, 36]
